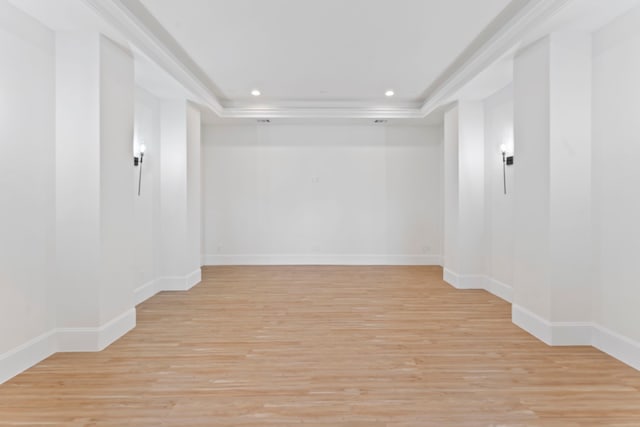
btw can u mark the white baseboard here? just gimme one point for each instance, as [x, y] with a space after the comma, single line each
[579, 333]
[95, 339]
[317, 259]
[552, 333]
[499, 289]
[478, 281]
[36, 350]
[463, 281]
[146, 291]
[180, 283]
[532, 323]
[616, 345]
[26, 355]
[169, 283]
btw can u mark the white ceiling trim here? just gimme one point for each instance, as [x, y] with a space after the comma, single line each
[324, 112]
[150, 43]
[162, 49]
[505, 40]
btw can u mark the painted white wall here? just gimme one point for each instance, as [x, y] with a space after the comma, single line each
[498, 110]
[571, 243]
[27, 179]
[193, 190]
[553, 276]
[77, 179]
[616, 150]
[147, 206]
[94, 208]
[173, 164]
[179, 194]
[451, 183]
[471, 187]
[117, 90]
[322, 194]
[167, 212]
[464, 195]
[532, 174]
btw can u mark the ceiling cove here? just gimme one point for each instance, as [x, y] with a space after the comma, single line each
[503, 34]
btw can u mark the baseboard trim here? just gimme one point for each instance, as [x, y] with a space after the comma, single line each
[552, 333]
[168, 283]
[499, 289]
[618, 346]
[478, 281]
[21, 358]
[146, 291]
[95, 339]
[34, 351]
[322, 259]
[180, 283]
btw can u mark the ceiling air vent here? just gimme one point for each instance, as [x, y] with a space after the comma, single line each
[379, 121]
[263, 121]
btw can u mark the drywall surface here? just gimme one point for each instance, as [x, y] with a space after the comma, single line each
[322, 194]
[616, 149]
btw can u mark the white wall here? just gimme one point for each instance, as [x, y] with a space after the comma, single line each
[117, 91]
[94, 207]
[616, 174]
[322, 194]
[498, 110]
[179, 195]
[464, 256]
[27, 180]
[451, 257]
[571, 243]
[147, 206]
[471, 231]
[167, 212]
[531, 169]
[193, 189]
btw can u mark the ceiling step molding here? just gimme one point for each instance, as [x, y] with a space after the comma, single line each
[505, 34]
[491, 46]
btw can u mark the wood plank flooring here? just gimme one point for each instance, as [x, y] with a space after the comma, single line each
[325, 346]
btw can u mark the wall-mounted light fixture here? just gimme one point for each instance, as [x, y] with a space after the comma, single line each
[507, 160]
[137, 161]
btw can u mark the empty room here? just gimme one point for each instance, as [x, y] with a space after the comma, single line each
[345, 213]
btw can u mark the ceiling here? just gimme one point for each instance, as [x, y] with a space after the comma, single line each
[311, 51]
[324, 59]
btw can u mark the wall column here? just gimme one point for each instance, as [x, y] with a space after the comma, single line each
[180, 195]
[464, 195]
[553, 258]
[94, 207]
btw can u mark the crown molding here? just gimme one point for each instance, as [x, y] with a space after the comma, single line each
[147, 36]
[506, 39]
[323, 111]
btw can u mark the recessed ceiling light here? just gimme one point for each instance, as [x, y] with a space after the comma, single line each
[389, 93]
[255, 92]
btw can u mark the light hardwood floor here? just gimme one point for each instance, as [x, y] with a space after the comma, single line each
[325, 346]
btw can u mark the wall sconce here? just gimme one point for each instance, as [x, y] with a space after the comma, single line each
[137, 161]
[507, 160]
